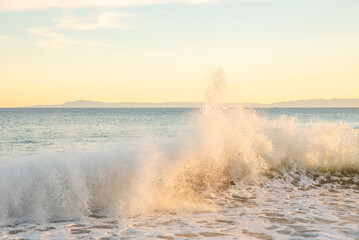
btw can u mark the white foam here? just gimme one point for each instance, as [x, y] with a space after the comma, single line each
[224, 146]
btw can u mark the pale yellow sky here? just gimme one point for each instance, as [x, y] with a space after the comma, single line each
[270, 51]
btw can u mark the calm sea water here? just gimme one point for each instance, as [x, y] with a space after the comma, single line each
[179, 173]
[26, 131]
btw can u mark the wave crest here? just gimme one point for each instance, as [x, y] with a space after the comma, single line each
[225, 146]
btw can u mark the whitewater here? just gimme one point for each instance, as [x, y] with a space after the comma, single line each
[225, 173]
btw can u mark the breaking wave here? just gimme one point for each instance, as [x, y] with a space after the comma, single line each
[225, 147]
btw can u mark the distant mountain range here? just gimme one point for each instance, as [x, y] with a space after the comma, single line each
[310, 103]
[97, 104]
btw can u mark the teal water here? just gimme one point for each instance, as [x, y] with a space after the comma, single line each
[26, 131]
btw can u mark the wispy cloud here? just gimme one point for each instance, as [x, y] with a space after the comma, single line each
[101, 20]
[51, 39]
[2, 37]
[19, 5]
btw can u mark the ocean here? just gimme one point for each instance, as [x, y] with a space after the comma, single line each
[211, 173]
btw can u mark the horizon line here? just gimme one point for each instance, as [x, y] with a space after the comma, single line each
[301, 103]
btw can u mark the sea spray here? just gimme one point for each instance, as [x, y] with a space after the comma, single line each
[225, 147]
[217, 86]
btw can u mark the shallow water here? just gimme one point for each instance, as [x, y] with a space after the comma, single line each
[276, 209]
[179, 173]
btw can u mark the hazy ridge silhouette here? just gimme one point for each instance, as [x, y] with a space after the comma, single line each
[309, 103]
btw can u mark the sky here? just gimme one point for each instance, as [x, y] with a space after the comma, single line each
[56, 51]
